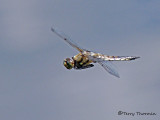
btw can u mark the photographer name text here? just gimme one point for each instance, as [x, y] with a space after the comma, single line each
[136, 113]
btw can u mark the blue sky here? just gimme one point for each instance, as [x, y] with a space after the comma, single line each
[34, 84]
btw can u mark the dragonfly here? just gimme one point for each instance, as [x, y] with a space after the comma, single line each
[85, 58]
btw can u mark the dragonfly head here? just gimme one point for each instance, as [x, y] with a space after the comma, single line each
[68, 63]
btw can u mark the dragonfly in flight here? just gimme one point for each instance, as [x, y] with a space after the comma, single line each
[86, 58]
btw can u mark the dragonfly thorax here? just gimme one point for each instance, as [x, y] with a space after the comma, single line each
[68, 63]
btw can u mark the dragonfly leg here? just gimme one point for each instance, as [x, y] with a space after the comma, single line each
[84, 67]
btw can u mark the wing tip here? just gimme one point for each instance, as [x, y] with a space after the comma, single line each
[116, 75]
[52, 29]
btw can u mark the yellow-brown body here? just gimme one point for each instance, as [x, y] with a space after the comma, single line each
[81, 61]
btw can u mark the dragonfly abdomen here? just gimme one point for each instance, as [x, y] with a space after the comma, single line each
[120, 58]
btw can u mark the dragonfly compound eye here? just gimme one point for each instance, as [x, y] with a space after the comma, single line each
[68, 63]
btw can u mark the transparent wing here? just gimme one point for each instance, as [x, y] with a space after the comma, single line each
[108, 66]
[67, 39]
[100, 57]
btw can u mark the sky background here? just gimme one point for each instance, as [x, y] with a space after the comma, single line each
[34, 84]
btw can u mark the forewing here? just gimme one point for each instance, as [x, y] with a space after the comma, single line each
[95, 57]
[108, 66]
[67, 39]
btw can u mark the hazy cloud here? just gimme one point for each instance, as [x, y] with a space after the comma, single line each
[35, 85]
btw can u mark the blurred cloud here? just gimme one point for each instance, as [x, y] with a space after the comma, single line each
[21, 26]
[35, 85]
